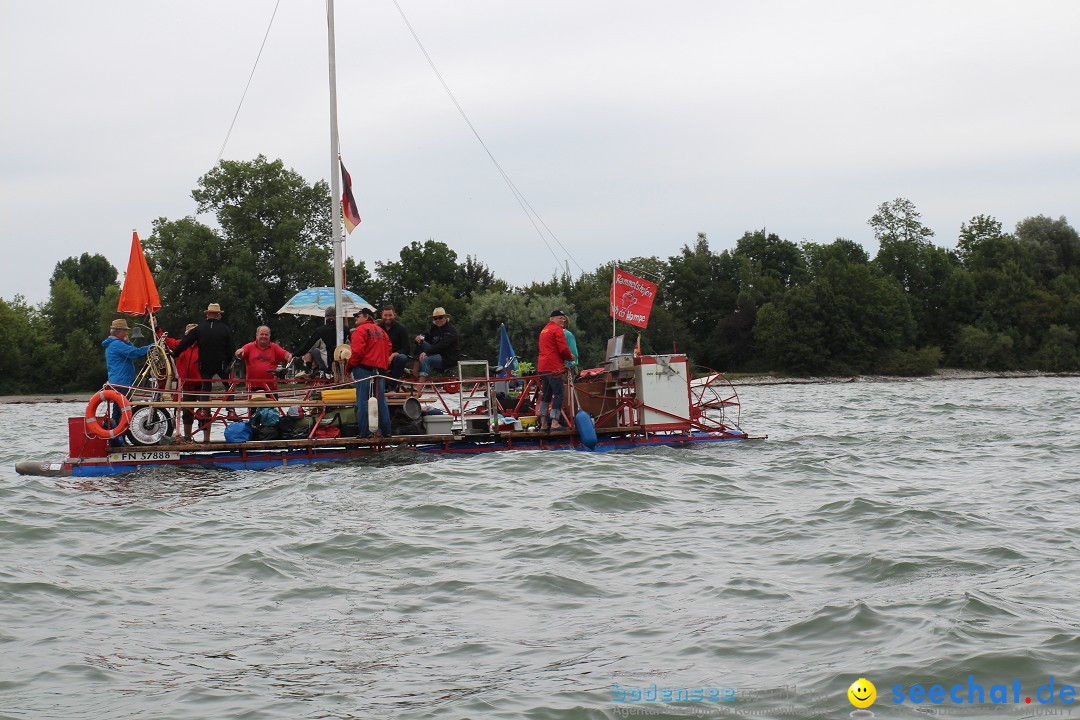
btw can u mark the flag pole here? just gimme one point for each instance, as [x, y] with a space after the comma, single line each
[335, 183]
[612, 303]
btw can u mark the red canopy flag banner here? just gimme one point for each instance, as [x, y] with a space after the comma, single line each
[140, 295]
[348, 202]
[631, 298]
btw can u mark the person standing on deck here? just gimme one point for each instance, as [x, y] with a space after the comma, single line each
[120, 357]
[550, 364]
[261, 358]
[187, 369]
[571, 342]
[215, 342]
[370, 358]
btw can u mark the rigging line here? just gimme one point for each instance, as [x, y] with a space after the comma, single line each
[221, 152]
[526, 207]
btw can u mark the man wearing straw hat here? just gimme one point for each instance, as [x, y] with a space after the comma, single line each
[214, 340]
[120, 357]
[438, 346]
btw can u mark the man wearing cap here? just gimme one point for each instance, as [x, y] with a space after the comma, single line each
[438, 346]
[370, 358]
[187, 369]
[553, 353]
[120, 357]
[317, 348]
[261, 358]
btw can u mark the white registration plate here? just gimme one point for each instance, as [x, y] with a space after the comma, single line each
[143, 456]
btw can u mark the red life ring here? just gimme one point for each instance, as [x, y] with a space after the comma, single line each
[93, 422]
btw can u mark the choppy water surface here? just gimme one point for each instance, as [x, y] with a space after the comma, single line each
[908, 532]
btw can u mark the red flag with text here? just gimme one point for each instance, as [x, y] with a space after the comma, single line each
[631, 298]
[348, 202]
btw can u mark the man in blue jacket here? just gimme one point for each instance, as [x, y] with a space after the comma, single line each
[120, 357]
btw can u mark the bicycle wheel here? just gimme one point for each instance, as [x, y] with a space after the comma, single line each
[149, 425]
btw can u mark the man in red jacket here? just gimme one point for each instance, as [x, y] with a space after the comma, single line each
[553, 352]
[369, 360]
[187, 369]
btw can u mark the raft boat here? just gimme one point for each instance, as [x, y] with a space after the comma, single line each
[632, 402]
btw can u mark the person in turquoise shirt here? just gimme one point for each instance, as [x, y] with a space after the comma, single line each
[571, 342]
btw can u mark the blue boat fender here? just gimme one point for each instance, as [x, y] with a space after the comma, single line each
[586, 429]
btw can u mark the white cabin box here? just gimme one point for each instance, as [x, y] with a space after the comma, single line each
[663, 389]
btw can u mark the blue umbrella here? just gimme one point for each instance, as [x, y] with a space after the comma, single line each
[508, 360]
[314, 301]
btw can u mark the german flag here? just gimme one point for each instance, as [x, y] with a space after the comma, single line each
[348, 202]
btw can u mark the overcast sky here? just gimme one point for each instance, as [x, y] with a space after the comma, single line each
[629, 126]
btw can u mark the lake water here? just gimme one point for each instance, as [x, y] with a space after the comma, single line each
[907, 532]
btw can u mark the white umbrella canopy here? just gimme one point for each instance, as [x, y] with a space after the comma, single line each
[314, 301]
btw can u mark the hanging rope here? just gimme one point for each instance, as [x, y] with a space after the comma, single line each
[531, 213]
[221, 152]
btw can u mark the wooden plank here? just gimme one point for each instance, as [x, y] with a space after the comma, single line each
[281, 402]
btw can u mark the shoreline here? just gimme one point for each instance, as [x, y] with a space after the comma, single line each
[749, 380]
[940, 375]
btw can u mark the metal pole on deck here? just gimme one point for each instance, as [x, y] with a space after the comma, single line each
[335, 176]
[612, 303]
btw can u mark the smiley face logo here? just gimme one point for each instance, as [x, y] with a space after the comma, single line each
[862, 693]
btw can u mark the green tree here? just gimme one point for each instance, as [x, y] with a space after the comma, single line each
[699, 288]
[900, 235]
[1060, 351]
[850, 318]
[474, 276]
[906, 253]
[1054, 245]
[771, 257]
[979, 349]
[421, 265]
[78, 325]
[90, 273]
[524, 314]
[273, 242]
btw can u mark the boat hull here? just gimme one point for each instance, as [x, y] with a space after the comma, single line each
[262, 456]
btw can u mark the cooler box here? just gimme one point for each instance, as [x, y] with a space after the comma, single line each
[438, 424]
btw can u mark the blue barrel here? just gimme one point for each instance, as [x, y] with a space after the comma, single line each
[586, 429]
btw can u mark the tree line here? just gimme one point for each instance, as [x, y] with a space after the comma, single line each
[1000, 301]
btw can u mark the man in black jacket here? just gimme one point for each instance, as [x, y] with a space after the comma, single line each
[215, 342]
[399, 341]
[438, 346]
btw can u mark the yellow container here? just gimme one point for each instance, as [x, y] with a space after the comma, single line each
[527, 421]
[344, 395]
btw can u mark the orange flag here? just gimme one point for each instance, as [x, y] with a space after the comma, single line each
[140, 295]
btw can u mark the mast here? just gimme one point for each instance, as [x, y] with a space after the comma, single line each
[335, 175]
